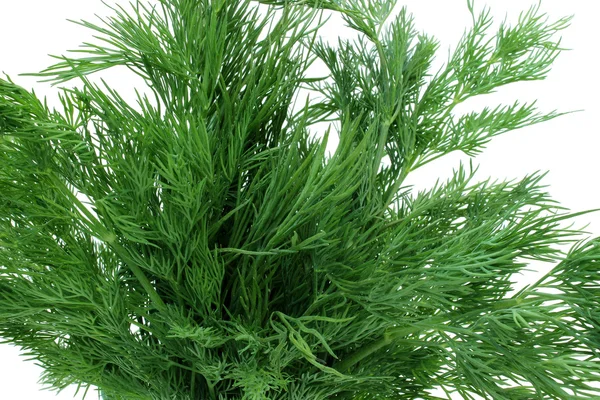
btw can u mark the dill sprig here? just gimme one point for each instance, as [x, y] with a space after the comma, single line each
[203, 244]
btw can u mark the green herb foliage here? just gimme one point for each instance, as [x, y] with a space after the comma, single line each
[203, 244]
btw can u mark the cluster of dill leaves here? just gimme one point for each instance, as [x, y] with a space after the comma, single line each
[202, 244]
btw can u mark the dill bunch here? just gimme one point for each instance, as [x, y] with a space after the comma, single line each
[203, 244]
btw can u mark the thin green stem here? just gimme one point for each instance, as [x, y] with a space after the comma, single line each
[388, 338]
[383, 135]
[140, 276]
[110, 238]
[394, 333]
[363, 352]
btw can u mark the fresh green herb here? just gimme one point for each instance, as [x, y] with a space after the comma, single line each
[203, 244]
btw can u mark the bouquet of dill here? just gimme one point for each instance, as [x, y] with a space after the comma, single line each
[202, 244]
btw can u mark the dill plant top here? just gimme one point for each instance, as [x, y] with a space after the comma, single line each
[201, 244]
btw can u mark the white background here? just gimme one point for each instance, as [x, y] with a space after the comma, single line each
[568, 146]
